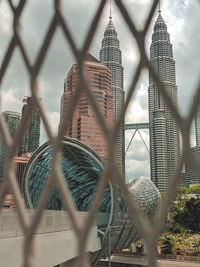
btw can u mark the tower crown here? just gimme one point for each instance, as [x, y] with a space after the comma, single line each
[160, 33]
[160, 23]
[110, 29]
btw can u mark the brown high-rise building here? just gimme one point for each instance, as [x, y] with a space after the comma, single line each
[84, 125]
[21, 163]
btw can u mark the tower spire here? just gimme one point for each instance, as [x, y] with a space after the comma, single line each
[159, 10]
[110, 10]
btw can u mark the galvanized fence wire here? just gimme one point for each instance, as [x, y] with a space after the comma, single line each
[56, 177]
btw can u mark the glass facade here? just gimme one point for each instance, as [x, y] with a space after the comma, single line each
[190, 177]
[82, 168]
[82, 172]
[12, 120]
[31, 136]
[197, 126]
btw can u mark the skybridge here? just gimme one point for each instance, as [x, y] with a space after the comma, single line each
[136, 127]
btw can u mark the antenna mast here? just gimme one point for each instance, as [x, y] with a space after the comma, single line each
[159, 6]
[110, 10]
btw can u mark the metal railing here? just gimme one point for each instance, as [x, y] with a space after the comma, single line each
[82, 229]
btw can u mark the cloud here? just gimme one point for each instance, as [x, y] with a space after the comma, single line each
[136, 113]
[139, 152]
[5, 18]
[53, 120]
[135, 169]
[187, 54]
[10, 100]
[137, 156]
[139, 146]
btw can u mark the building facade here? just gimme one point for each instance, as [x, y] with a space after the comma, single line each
[110, 56]
[197, 126]
[31, 137]
[164, 132]
[84, 125]
[190, 177]
[12, 120]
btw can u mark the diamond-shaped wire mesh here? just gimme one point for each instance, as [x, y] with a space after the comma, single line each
[56, 177]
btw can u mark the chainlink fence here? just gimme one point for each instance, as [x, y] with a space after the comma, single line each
[56, 177]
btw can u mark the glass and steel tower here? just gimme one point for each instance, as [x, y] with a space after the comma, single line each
[164, 132]
[31, 137]
[197, 126]
[190, 176]
[110, 56]
[12, 120]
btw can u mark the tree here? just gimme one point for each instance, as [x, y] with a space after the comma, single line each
[189, 217]
[179, 203]
[186, 210]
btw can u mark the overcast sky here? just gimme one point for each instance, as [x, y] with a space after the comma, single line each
[183, 21]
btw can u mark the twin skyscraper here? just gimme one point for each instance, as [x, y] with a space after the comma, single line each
[164, 132]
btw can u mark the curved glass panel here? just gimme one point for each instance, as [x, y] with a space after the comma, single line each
[82, 173]
[146, 195]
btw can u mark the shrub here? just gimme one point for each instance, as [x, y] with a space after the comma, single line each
[166, 246]
[193, 253]
[177, 229]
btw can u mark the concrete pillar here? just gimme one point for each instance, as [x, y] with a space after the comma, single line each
[133, 247]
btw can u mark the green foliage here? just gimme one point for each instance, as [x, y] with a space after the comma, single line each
[193, 253]
[184, 243]
[181, 191]
[166, 246]
[186, 210]
[195, 189]
[179, 203]
[189, 216]
[177, 229]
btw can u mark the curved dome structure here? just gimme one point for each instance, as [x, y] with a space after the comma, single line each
[82, 168]
[146, 195]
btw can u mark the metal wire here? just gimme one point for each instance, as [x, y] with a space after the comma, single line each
[56, 176]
